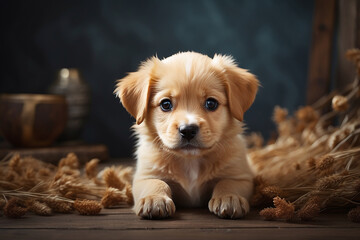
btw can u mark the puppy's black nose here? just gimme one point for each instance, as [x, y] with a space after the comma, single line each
[188, 131]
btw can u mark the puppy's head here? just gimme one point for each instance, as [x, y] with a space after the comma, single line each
[188, 102]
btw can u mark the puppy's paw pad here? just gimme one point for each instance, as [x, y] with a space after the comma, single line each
[229, 206]
[155, 207]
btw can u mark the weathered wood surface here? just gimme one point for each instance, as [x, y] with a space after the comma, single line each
[186, 224]
[85, 152]
[348, 38]
[319, 76]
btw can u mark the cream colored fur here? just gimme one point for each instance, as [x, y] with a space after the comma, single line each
[214, 171]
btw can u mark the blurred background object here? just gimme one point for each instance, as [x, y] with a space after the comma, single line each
[70, 84]
[32, 120]
[107, 39]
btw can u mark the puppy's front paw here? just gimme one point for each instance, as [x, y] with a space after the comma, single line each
[155, 207]
[229, 206]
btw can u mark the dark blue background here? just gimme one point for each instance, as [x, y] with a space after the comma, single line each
[106, 39]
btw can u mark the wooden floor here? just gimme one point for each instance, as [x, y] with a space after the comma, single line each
[186, 224]
[198, 224]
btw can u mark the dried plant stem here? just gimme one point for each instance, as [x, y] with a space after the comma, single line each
[34, 195]
[312, 164]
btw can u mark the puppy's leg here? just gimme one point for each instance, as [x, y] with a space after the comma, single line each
[230, 198]
[152, 199]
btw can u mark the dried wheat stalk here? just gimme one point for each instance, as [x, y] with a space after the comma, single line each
[30, 185]
[313, 164]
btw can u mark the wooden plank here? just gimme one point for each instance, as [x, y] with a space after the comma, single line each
[125, 219]
[357, 27]
[54, 154]
[319, 74]
[348, 37]
[171, 234]
[186, 224]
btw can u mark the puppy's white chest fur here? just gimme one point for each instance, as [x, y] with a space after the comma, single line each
[191, 183]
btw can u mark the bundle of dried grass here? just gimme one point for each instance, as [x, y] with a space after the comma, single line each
[30, 185]
[314, 164]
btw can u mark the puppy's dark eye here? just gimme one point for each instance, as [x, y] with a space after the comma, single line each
[166, 105]
[211, 104]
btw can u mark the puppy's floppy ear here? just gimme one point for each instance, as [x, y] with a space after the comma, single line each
[134, 89]
[241, 86]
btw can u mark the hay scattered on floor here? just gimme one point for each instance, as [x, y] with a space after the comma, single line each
[314, 164]
[30, 185]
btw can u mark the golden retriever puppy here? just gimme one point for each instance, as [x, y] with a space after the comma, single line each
[189, 110]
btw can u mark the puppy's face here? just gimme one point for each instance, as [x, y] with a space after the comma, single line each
[188, 100]
[188, 107]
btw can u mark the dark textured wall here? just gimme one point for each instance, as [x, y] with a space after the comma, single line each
[106, 39]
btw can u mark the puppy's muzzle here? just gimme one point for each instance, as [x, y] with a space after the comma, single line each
[188, 132]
